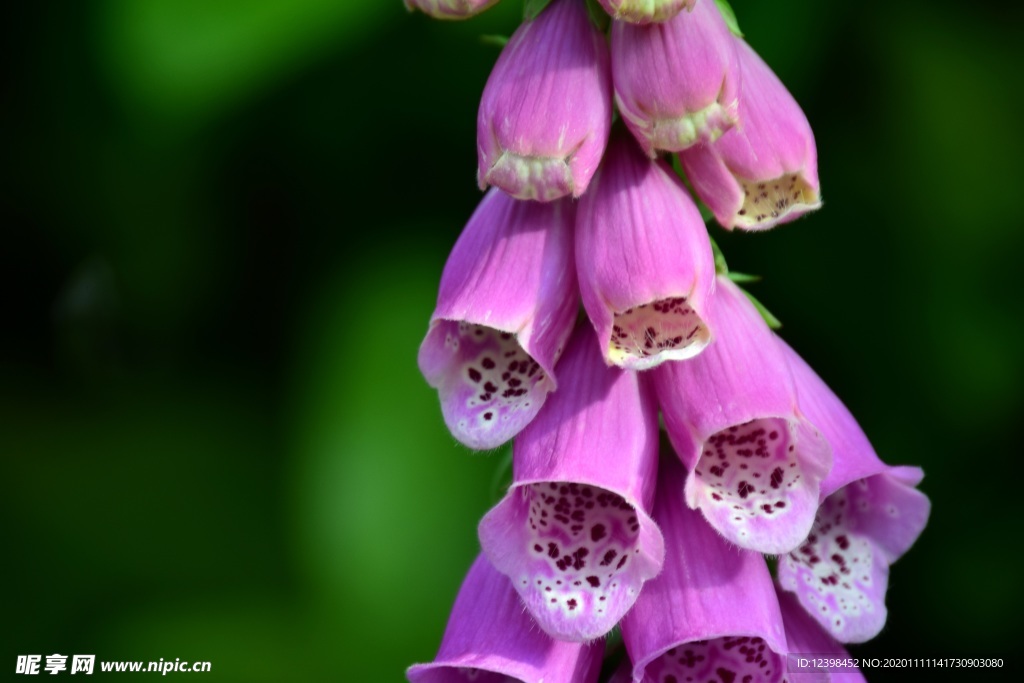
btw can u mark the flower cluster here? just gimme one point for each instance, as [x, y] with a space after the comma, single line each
[606, 523]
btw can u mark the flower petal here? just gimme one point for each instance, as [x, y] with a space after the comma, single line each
[756, 463]
[573, 534]
[676, 83]
[546, 110]
[872, 515]
[764, 171]
[712, 613]
[489, 639]
[644, 259]
[506, 307]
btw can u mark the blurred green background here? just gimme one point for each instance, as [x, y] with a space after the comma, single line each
[224, 224]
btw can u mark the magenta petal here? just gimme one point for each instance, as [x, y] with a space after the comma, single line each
[644, 259]
[712, 613]
[764, 171]
[489, 639]
[676, 83]
[547, 107]
[755, 462]
[450, 9]
[573, 533]
[809, 641]
[506, 307]
[872, 515]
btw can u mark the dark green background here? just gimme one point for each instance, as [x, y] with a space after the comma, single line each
[223, 228]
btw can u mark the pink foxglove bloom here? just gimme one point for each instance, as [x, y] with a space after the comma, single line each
[808, 640]
[573, 534]
[676, 83]
[645, 11]
[712, 613]
[764, 171]
[506, 307]
[644, 260]
[547, 107]
[450, 9]
[755, 462]
[870, 515]
[490, 639]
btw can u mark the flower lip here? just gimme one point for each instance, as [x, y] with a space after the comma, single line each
[585, 554]
[496, 387]
[747, 481]
[645, 11]
[778, 200]
[450, 9]
[573, 533]
[530, 177]
[652, 333]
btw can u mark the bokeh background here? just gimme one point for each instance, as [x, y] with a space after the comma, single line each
[223, 227]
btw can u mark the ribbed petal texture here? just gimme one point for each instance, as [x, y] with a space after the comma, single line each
[644, 259]
[573, 533]
[547, 107]
[490, 639]
[506, 307]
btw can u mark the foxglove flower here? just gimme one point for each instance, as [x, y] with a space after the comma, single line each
[765, 170]
[490, 639]
[676, 83]
[870, 515]
[644, 260]
[450, 9]
[547, 107]
[755, 462]
[807, 639]
[505, 309]
[712, 614]
[573, 534]
[645, 11]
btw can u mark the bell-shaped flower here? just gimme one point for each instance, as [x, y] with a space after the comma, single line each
[644, 261]
[450, 9]
[506, 307]
[764, 171]
[755, 462]
[490, 639]
[547, 107]
[712, 613]
[573, 533]
[676, 83]
[809, 642]
[645, 11]
[870, 515]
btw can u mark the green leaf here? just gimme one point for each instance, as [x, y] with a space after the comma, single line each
[730, 17]
[720, 266]
[502, 478]
[772, 321]
[532, 8]
[494, 40]
[598, 16]
[743, 278]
